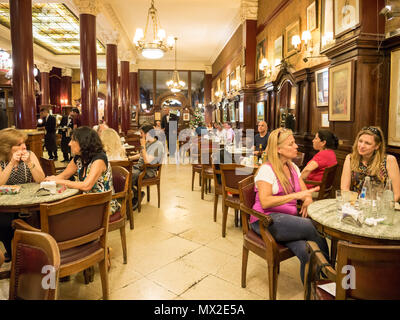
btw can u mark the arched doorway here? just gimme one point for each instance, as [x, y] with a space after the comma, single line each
[175, 102]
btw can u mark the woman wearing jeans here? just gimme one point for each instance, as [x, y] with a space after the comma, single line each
[278, 186]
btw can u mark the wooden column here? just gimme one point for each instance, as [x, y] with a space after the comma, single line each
[111, 113]
[44, 81]
[125, 99]
[87, 20]
[134, 93]
[66, 86]
[207, 88]
[249, 42]
[22, 56]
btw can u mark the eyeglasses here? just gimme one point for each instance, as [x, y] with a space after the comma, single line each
[373, 130]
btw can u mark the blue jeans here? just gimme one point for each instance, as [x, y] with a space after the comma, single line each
[293, 232]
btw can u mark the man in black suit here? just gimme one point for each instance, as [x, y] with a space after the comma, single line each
[50, 142]
[66, 126]
[169, 123]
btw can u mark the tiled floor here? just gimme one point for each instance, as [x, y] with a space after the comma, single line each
[177, 252]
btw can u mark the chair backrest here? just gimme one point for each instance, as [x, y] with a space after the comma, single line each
[35, 266]
[48, 166]
[77, 220]
[374, 269]
[231, 174]
[327, 180]
[120, 179]
[246, 192]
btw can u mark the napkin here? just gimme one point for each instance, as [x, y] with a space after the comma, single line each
[349, 212]
[49, 185]
[373, 221]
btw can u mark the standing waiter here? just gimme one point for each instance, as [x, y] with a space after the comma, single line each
[169, 123]
[49, 122]
[66, 126]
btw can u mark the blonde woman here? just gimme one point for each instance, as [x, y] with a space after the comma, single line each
[369, 158]
[278, 186]
[112, 145]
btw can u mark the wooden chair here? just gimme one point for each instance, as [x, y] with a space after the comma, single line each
[265, 246]
[195, 157]
[147, 182]
[374, 272]
[49, 167]
[32, 252]
[127, 164]
[217, 190]
[79, 225]
[122, 186]
[206, 170]
[231, 174]
[325, 186]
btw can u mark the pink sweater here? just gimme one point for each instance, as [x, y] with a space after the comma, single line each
[288, 208]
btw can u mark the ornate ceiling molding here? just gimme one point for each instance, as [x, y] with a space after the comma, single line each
[66, 72]
[108, 11]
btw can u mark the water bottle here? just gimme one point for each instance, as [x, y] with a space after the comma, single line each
[366, 197]
[388, 203]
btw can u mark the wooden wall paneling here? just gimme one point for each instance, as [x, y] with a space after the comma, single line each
[250, 31]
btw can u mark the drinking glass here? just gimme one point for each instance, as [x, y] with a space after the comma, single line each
[339, 203]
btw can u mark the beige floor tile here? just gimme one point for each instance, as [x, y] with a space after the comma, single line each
[206, 259]
[215, 288]
[142, 289]
[177, 276]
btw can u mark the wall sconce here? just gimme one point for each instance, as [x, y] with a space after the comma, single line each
[234, 84]
[306, 38]
[265, 67]
[218, 94]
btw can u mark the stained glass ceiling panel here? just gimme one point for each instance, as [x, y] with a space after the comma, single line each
[54, 27]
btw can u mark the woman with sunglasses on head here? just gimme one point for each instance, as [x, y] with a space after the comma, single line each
[278, 186]
[369, 158]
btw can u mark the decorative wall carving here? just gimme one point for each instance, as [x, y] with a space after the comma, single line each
[88, 6]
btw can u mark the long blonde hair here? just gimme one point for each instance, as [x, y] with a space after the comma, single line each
[9, 138]
[112, 143]
[276, 138]
[377, 157]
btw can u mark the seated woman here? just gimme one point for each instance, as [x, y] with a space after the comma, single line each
[278, 186]
[17, 166]
[324, 142]
[369, 158]
[90, 163]
[112, 145]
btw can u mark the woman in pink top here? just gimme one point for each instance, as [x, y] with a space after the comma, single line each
[324, 142]
[278, 186]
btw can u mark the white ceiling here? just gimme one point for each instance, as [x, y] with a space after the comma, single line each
[202, 27]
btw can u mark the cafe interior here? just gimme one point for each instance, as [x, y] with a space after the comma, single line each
[303, 65]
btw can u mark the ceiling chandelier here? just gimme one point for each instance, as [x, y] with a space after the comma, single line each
[175, 85]
[155, 48]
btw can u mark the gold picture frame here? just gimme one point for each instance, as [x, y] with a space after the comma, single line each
[312, 21]
[278, 50]
[341, 88]
[186, 116]
[322, 87]
[260, 54]
[346, 16]
[291, 30]
[326, 24]
[394, 100]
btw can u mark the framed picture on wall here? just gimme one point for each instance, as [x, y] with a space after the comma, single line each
[290, 31]
[278, 50]
[241, 111]
[394, 100]
[341, 78]
[260, 111]
[157, 116]
[346, 15]
[237, 74]
[223, 86]
[260, 54]
[186, 116]
[227, 83]
[312, 19]
[326, 27]
[324, 120]
[322, 87]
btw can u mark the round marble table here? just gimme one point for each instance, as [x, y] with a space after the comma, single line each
[27, 201]
[324, 215]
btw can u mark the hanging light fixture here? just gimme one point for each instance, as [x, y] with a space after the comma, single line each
[175, 85]
[155, 48]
